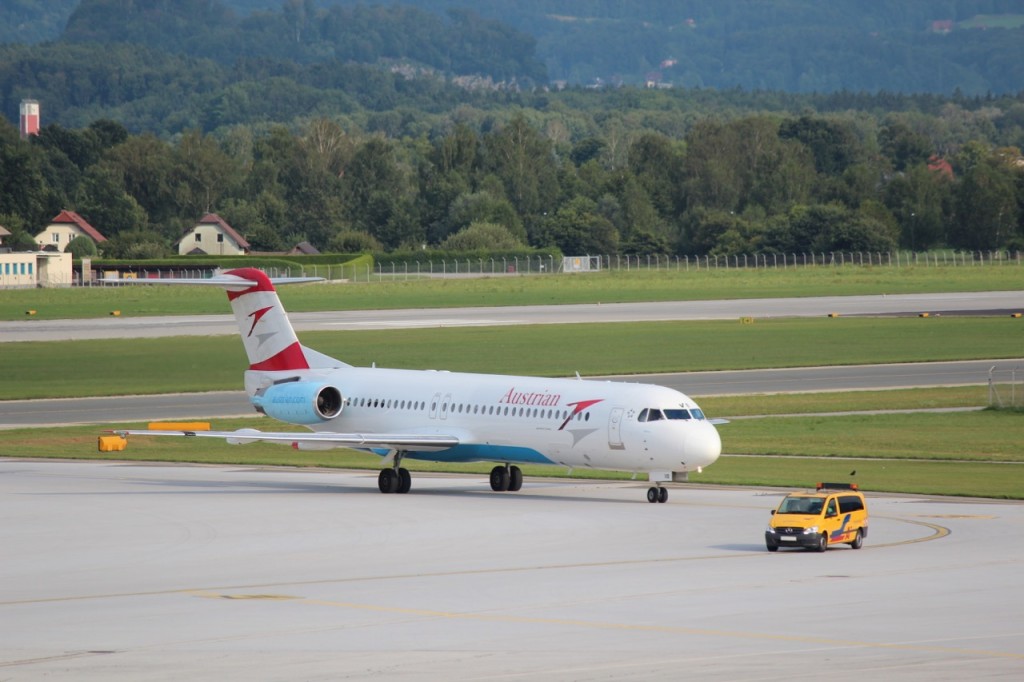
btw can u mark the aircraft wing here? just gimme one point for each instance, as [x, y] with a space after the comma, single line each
[321, 440]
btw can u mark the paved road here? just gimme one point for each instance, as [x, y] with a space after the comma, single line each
[115, 571]
[212, 325]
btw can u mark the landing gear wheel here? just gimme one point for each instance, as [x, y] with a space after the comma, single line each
[499, 479]
[662, 495]
[404, 481]
[858, 540]
[388, 481]
[822, 543]
[652, 495]
[515, 479]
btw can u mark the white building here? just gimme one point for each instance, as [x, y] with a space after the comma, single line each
[65, 226]
[28, 270]
[212, 235]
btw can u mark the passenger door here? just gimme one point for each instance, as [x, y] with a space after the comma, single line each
[615, 429]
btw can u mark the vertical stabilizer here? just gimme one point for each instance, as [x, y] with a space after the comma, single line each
[269, 339]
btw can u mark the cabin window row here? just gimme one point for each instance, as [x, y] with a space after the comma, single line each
[462, 408]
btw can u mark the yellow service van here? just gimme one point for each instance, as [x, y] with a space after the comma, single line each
[833, 513]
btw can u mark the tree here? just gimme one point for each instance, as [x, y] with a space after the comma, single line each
[523, 160]
[832, 143]
[350, 241]
[903, 146]
[658, 169]
[145, 165]
[81, 247]
[985, 205]
[20, 239]
[202, 173]
[578, 229]
[103, 201]
[916, 199]
[377, 196]
[484, 207]
[480, 236]
[23, 190]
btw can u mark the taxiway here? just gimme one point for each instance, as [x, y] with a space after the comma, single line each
[114, 571]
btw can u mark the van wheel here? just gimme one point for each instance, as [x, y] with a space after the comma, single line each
[771, 547]
[858, 540]
[822, 543]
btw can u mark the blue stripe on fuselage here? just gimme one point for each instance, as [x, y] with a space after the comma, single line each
[483, 453]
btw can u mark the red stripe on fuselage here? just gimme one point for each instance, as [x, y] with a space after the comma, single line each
[578, 407]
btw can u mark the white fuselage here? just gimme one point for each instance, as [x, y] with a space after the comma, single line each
[520, 420]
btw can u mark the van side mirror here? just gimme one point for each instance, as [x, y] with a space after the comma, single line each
[772, 512]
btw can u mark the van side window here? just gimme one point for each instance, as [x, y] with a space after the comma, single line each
[850, 503]
[831, 509]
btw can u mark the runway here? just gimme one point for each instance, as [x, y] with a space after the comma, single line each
[212, 325]
[221, 404]
[233, 403]
[116, 571]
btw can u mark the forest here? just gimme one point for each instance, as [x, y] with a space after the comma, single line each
[402, 150]
[933, 46]
[554, 176]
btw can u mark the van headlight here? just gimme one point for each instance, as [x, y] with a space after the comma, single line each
[813, 530]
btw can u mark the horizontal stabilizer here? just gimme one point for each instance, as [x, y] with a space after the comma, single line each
[225, 281]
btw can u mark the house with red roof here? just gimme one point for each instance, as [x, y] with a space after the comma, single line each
[64, 227]
[212, 235]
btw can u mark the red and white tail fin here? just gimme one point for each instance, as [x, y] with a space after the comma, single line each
[269, 339]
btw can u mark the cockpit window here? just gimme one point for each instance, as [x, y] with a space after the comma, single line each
[653, 414]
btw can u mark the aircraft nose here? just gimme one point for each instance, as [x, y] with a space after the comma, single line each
[703, 446]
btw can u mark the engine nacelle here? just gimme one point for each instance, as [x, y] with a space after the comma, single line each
[300, 402]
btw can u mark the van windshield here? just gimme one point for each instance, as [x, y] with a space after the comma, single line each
[800, 505]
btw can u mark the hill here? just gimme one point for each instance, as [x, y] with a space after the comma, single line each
[937, 46]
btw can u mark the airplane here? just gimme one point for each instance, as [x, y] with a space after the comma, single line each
[444, 416]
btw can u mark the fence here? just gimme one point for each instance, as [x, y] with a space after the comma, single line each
[1006, 387]
[549, 265]
[893, 259]
[544, 265]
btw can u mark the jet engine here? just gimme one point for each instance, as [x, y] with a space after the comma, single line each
[300, 402]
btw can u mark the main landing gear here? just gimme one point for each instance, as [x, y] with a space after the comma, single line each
[657, 494]
[395, 479]
[506, 478]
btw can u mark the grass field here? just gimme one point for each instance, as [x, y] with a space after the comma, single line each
[919, 453]
[605, 287]
[188, 364]
[960, 453]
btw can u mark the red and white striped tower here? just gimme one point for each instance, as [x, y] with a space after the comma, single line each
[29, 117]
